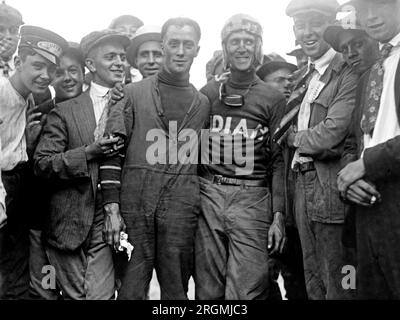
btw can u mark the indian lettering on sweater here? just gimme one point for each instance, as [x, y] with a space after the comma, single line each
[228, 141]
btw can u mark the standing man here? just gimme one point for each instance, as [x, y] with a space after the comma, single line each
[324, 96]
[10, 20]
[278, 74]
[39, 51]
[242, 197]
[67, 155]
[359, 50]
[145, 52]
[67, 83]
[371, 179]
[158, 191]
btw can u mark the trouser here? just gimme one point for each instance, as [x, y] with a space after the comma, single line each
[86, 273]
[290, 265]
[163, 239]
[324, 255]
[42, 287]
[378, 250]
[14, 239]
[231, 242]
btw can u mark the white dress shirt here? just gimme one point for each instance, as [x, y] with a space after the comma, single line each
[12, 131]
[314, 88]
[100, 97]
[387, 124]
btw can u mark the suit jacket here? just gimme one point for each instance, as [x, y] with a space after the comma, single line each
[324, 140]
[60, 159]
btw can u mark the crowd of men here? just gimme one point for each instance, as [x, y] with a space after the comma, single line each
[113, 164]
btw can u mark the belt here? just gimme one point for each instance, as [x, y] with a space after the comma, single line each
[219, 179]
[304, 167]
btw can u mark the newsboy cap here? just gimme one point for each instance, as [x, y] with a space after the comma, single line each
[47, 43]
[143, 34]
[10, 14]
[96, 38]
[272, 66]
[326, 7]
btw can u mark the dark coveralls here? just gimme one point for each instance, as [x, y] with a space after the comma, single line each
[159, 194]
[237, 207]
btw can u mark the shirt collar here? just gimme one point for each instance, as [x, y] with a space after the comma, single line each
[98, 90]
[395, 42]
[322, 63]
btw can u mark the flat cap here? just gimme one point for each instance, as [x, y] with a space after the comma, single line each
[96, 38]
[10, 14]
[143, 34]
[47, 43]
[126, 19]
[326, 7]
[273, 66]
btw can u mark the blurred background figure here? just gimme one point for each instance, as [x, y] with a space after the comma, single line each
[128, 25]
[145, 52]
[277, 74]
[10, 20]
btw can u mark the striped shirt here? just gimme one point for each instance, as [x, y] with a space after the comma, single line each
[99, 96]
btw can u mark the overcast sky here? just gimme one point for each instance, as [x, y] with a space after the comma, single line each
[73, 19]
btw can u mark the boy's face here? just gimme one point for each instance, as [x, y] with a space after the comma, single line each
[68, 81]
[36, 73]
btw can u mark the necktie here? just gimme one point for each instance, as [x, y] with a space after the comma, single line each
[101, 125]
[374, 92]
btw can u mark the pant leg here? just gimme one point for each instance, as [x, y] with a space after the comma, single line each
[303, 196]
[324, 255]
[332, 257]
[99, 276]
[248, 216]
[136, 274]
[291, 262]
[211, 244]
[176, 224]
[14, 249]
[37, 260]
[86, 273]
[378, 270]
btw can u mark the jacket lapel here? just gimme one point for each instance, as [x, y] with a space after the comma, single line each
[84, 117]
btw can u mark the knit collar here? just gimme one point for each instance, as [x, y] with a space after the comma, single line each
[173, 79]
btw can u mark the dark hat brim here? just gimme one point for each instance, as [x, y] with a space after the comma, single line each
[137, 42]
[332, 35]
[273, 66]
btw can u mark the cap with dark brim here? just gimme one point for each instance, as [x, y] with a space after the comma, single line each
[273, 66]
[47, 43]
[95, 38]
[333, 33]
